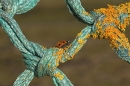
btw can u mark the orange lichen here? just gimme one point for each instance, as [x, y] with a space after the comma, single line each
[79, 34]
[59, 76]
[112, 27]
[112, 14]
[43, 47]
[60, 54]
[60, 51]
[94, 35]
[115, 37]
[85, 13]
[81, 41]
[49, 65]
[87, 36]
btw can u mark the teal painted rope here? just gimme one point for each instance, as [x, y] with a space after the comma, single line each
[75, 8]
[31, 59]
[25, 5]
[13, 7]
[24, 78]
[42, 61]
[34, 54]
[8, 23]
[93, 18]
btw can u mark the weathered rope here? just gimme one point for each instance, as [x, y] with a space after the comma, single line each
[103, 23]
[107, 23]
[79, 12]
[18, 6]
[39, 60]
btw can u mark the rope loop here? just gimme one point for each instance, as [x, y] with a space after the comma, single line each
[13, 7]
[105, 23]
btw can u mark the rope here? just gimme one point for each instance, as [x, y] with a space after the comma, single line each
[18, 6]
[105, 23]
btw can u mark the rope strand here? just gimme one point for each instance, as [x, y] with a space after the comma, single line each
[105, 23]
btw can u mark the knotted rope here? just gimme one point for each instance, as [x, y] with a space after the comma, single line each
[106, 23]
[103, 23]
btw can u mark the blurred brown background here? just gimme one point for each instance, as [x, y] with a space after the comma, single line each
[96, 64]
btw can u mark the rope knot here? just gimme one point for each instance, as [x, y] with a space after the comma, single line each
[47, 64]
[44, 64]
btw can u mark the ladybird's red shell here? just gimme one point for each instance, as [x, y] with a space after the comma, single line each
[62, 44]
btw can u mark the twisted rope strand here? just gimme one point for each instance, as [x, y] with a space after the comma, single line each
[12, 29]
[34, 52]
[13, 7]
[79, 12]
[109, 23]
[24, 78]
[105, 23]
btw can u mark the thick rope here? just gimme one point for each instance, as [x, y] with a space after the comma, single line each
[18, 6]
[39, 60]
[79, 12]
[105, 23]
[108, 23]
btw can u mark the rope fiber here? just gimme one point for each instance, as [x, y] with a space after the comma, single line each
[104, 23]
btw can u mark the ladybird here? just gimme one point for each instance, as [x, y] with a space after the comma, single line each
[62, 44]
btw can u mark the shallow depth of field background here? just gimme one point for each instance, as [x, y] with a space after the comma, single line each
[96, 64]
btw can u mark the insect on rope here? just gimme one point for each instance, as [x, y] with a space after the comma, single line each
[104, 23]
